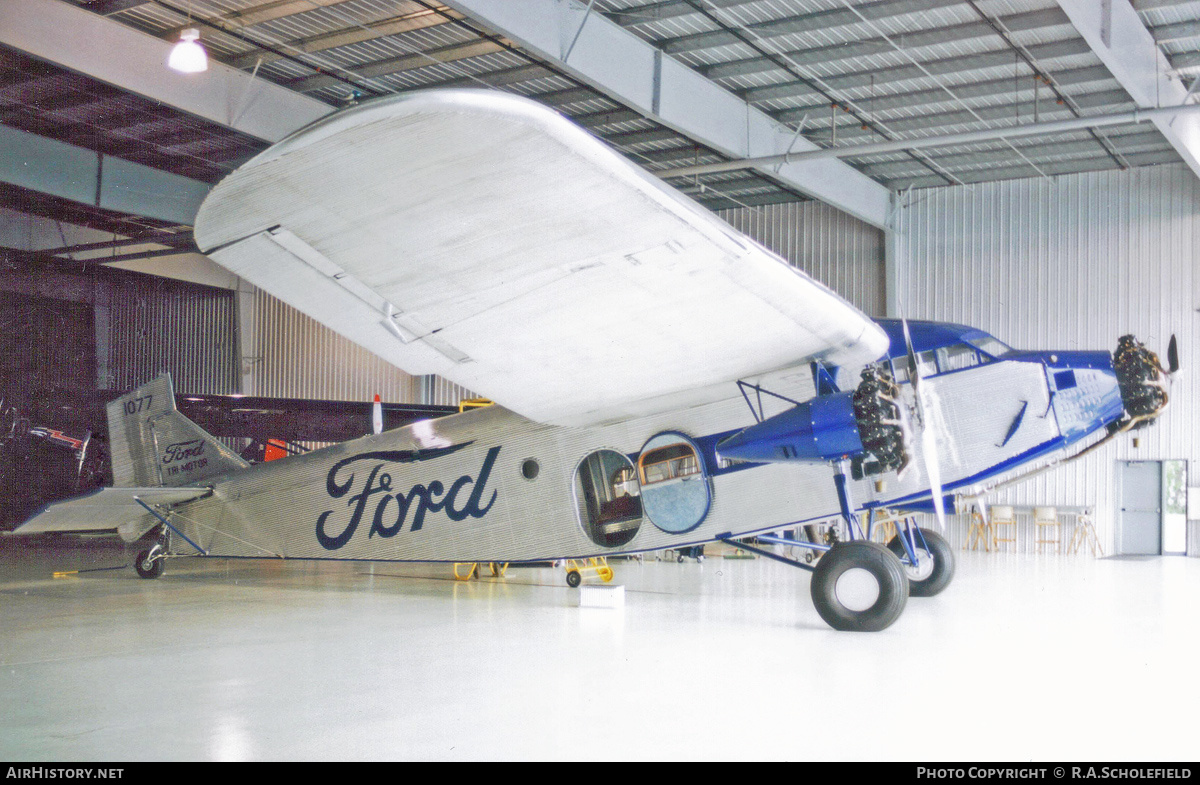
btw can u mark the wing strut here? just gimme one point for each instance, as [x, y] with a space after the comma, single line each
[167, 523]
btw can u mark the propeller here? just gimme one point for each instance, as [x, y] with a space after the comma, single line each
[925, 406]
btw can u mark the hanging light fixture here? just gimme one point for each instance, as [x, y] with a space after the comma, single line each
[188, 56]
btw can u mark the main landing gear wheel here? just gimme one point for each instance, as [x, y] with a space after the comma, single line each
[935, 563]
[150, 562]
[859, 586]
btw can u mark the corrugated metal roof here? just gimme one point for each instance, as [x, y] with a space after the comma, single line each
[863, 70]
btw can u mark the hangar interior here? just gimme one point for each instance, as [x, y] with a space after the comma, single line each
[997, 163]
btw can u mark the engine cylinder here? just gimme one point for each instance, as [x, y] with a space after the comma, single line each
[1139, 377]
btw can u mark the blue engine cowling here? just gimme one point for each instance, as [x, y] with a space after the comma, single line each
[817, 431]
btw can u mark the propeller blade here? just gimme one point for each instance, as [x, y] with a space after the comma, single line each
[929, 449]
[914, 374]
[933, 471]
[1173, 356]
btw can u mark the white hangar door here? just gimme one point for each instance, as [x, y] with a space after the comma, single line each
[1139, 508]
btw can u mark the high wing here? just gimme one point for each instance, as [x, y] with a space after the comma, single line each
[107, 509]
[483, 237]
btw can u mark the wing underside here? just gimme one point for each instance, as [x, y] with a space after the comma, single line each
[485, 238]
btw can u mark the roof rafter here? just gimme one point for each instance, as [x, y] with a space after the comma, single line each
[131, 60]
[825, 55]
[1118, 37]
[603, 55]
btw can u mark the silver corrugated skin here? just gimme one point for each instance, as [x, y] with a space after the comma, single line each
[1070, 262]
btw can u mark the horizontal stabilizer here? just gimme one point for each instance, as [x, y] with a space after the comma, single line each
[108, 509]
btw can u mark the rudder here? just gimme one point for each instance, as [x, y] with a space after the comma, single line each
[152, 444]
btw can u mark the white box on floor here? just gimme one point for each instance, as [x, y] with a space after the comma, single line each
[602, 596]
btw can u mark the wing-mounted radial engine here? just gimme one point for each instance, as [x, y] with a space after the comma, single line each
[881, 426]
[857, 584]
[864, 426]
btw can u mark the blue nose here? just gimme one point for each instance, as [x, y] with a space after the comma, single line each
[1084, 391]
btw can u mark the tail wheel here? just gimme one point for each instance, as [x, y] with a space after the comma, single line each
[935, 563]
[150, 562]
[859, 586]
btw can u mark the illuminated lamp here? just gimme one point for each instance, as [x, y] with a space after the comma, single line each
[188, 57]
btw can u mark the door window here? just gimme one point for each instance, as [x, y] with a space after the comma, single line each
[675, 492]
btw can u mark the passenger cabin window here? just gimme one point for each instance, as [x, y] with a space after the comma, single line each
[955, 358]
[668, 463]
[608, 499]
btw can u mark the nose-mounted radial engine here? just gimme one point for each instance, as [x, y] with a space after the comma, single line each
[1142, 380]
[864, 426]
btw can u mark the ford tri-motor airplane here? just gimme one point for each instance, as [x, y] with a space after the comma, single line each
[661, 380]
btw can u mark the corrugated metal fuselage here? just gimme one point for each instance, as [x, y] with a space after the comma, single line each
[489, 485]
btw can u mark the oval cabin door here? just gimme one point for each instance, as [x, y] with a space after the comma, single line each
[675, 489]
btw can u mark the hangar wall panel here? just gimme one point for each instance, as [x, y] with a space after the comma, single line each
[146, 325]
[294, 356]
[838, 250]
[1070, 262]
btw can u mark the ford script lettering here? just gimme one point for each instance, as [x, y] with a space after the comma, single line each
[183, 451]
[461, 500]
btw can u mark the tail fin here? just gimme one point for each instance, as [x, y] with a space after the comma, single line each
[152, 444]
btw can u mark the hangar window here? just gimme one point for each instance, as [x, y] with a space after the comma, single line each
[957, 357]
[608, 499]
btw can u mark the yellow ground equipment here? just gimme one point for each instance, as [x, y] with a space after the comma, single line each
[597, 566]
[472, 570]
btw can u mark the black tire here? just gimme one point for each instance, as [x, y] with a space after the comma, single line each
[146, 566]
[852, 562]
[926, 578]
[574, 578]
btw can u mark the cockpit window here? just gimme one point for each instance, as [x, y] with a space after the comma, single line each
[926, 365]
[990, 347]
[955, 358]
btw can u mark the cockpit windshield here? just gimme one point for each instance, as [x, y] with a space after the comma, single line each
[990, 346]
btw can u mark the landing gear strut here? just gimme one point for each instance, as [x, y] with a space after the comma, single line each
[928, 560]
[857, 585]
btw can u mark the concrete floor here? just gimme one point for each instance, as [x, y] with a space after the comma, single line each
[1024, 657]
